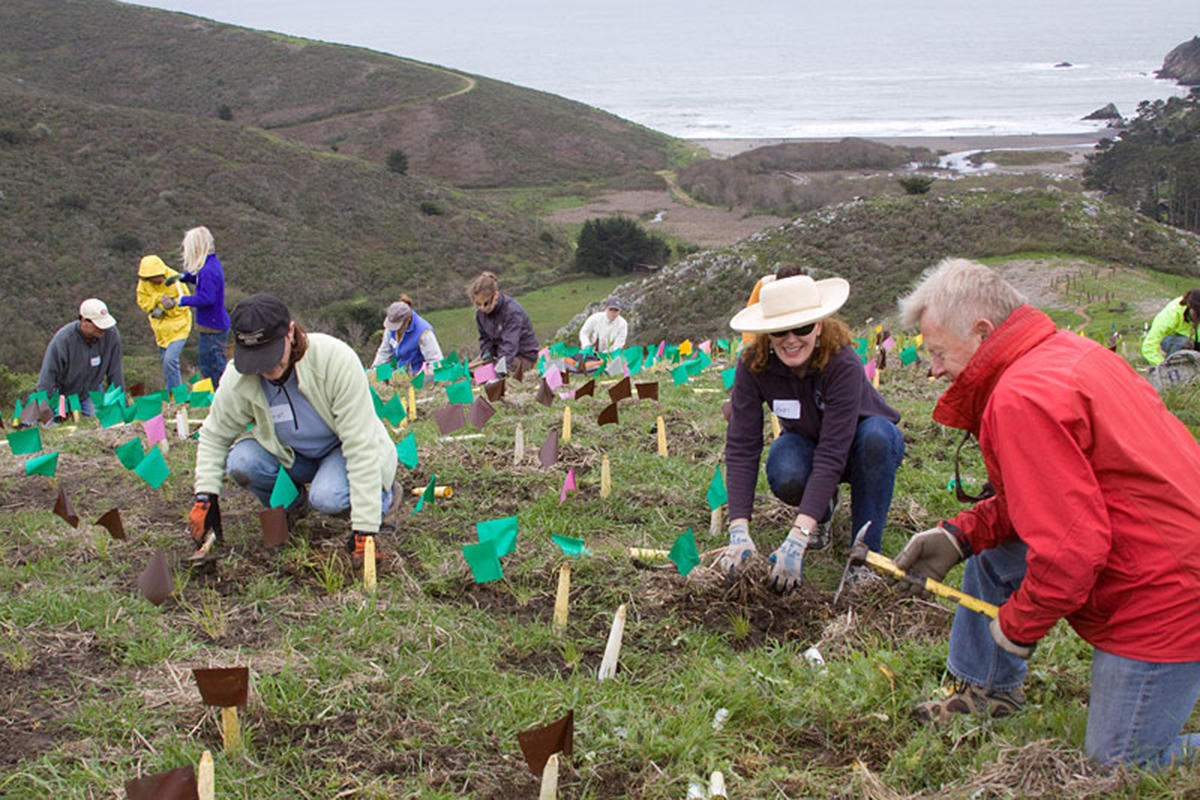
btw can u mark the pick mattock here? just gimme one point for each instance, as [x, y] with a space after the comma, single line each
[859, 554]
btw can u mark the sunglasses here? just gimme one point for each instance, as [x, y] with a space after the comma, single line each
[804, 330]
[959, 492]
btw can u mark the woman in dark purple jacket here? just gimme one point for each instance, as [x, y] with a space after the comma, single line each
[836, 427]
[506, 336]
[203, 269]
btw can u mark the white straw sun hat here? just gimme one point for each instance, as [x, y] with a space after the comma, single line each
[790, 303]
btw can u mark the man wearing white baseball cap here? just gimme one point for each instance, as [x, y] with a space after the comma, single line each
[82, 355]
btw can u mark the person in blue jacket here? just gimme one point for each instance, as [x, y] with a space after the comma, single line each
[203, 269]
[408, 339]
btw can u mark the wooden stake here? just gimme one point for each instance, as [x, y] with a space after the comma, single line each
[716, 786]
[549, 790]
[612, 650]
[646, 553]
[206, 781]
[440, 492]
[716, 522]
[563, 598]
[775, 427]
[566, 429]
[231, 730]
[181, 424]
[164, 445]
[369, 564]
[412, 403]
[875, 379]
[75, 415]
[519, 444]
[662, 438]
[605, 478]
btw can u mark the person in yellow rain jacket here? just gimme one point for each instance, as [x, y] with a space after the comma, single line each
[158, 293]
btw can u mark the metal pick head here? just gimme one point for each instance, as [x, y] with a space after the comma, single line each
[850, 561]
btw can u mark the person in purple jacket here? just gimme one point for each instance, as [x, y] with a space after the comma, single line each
[835, 426]
[506, 336]
[203, 268]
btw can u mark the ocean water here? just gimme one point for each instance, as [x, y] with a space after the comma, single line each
[774, 68]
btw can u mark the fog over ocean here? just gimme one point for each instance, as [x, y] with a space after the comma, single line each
[778, 68]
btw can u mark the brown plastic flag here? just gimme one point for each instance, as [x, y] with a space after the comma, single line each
[494, 390]
[29, 414]
[449, 419]
[548, 454]
[609, 415]
[155, 581]
[137, 390]
[111, 519]
[538, 744]
[545, 396]
[63, 507]
[223, 686]
[45, 412]
[479, 412]
[620, 391]
[647, 391]
[174, 784]
[274, 526]
[587, 390]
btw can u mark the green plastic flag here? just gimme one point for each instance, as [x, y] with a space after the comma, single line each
[427, 495]
[109, 416]
[97, 398]
[727, 376]
[179, 394]
[42, 465]
[384, 372]
[570, 545]
[146, 407]
[393, 410]
[500, 532]
[128, 412]
[483, 561]
[153, 468]
[717, 496]
[680, 375]
[36, 396]
[114, 394]
[860, 345]
[130, 454]
[25, 442]
[684, 553]
[73, 403]
[406, 450]
[284, 493]
[418, 380]
[460, 393]
[723, 344]
[377, 402]
[200, 399]
[908, 355]
[698, 364]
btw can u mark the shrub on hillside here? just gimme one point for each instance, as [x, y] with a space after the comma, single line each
[125, 243]
[72, 201]
[916, 184]
[225, 112]
[618, 244]
[14, 136]
[397, 162]
[432, 209]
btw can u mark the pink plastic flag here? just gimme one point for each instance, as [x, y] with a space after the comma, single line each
[62, 406]
[485, 373]
[888, 344]
[869, 368]
[553, 377]
[706, 346]
[156, 430]
[662, 347]
[568, 485]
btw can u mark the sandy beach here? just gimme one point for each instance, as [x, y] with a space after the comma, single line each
[950, 144]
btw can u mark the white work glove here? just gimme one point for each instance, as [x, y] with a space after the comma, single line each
[1018, 649]
[740, 548]
[166, 302]
[787, 562]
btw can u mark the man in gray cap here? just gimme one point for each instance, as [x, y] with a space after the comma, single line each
[605, 330]
[82, 355]
[408, 339]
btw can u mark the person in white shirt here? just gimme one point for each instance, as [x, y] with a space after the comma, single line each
[605, 330]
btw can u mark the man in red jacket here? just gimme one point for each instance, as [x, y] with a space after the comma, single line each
[1094, 518]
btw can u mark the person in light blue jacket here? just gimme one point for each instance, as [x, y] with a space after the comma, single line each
[408, 339]
[203, 269]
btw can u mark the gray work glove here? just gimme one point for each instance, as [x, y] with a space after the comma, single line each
[1018, 649]
[156, 313]
[167, 302]
[787, 562]
[930, 554]
[740, 548]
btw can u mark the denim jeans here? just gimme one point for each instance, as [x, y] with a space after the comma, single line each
[170, 362]
[250, 465]
[211, 355]
[875, 455]
[1174, 343]
[1136, 709]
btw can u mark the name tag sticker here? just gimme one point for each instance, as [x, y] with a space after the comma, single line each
[786, 409]
[281, 413]
[95, 361]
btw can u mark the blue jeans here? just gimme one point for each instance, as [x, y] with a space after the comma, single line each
[211, 355]
[1174, 343]
[1136, 709]
[875, 455]
[170, 362]
[250, 465]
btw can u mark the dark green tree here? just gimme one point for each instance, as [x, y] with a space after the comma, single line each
[397, 162]
[618, 244]
[1154, 164]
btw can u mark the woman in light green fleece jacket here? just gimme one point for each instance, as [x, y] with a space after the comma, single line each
[1173, 328]
[307, 400]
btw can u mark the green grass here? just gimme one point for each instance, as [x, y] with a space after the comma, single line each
[420, 689]
[1020, 158]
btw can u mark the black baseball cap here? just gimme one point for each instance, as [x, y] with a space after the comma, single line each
[260, 326]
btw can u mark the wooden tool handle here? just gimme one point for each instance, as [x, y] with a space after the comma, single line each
[883, 564]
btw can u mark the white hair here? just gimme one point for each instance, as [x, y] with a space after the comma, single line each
[197, 245]
[956, 292]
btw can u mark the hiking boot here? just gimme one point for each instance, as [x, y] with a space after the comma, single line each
[967, 698]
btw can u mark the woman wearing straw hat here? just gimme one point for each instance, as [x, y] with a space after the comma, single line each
[835, 426]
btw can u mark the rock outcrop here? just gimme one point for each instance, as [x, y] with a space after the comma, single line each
[1108, 112]
[1183, 63]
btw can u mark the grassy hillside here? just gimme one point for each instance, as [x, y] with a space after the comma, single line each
[89, 188]
[880, 245]
[455, 127]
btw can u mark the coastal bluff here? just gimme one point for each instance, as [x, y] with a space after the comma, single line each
[1183, 63]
